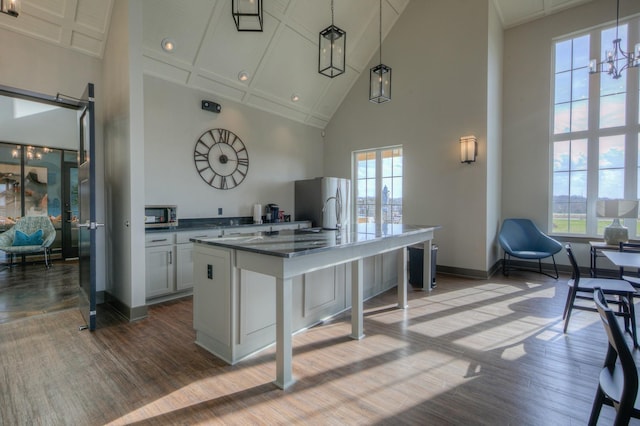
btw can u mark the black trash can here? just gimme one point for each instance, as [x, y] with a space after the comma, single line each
[416, 265]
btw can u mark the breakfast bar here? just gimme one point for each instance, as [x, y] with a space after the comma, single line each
[283, 256]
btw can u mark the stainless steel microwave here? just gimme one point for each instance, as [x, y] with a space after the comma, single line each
[160, 216]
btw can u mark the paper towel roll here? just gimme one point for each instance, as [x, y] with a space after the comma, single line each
[257, 213]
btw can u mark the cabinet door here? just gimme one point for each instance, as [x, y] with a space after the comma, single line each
[184, 266]
[160, 270]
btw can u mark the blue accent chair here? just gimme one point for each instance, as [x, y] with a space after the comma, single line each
[28, 225]
[522, 239]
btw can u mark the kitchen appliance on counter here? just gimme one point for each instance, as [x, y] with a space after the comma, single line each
[325, 201]
[273, 213]
[160, 216]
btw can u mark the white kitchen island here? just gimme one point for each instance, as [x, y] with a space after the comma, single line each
[279, 258]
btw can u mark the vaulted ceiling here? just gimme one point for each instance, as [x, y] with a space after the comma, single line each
[209, 53]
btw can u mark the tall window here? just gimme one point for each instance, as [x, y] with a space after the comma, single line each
[378, 185]
[594, 132]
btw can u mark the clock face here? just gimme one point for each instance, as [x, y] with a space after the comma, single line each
[221, 158]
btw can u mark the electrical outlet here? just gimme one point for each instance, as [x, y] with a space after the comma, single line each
[219, 210]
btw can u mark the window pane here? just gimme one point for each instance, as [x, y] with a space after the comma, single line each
[612, 111]
[563, 56]
[578, 187]
[577, 218]
[579, 116]
[561, 156]
[581, 52]
[612, 86]
[580, 84]
[611, 184]
[562, 118]
[563, 87]
[611, 152]
[579, 154]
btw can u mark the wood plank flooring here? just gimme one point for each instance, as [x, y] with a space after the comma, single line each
[30, 289]
[473, 352]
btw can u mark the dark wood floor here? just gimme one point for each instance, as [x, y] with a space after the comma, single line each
[30, 289]
[486, 352]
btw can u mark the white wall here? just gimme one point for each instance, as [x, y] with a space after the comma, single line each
[527, 114]
[438, 53]
[37, 66]
[117, 152]
[280, 151]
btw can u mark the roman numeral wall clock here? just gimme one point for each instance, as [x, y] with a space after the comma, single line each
[221, 158]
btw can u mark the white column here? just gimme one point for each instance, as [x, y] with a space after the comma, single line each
[284, 346]
[356, 299]
[402, 278]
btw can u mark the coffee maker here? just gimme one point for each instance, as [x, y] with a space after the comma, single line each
[273, 211]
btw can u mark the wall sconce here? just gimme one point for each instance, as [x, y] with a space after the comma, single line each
[468, 149]
[10, 7]
[247, 14]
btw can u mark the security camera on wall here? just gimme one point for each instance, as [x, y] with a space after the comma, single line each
[211, 106]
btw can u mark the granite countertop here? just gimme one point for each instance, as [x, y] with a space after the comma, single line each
[291, 243]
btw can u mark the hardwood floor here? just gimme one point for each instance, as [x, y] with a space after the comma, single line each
[31, 289]
[485, 352]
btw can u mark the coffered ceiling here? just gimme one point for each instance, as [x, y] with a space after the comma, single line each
[209, 53]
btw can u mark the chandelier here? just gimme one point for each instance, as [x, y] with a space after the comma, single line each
[616, 60]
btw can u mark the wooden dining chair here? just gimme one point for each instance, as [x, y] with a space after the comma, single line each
[618, 382]
[618, 291]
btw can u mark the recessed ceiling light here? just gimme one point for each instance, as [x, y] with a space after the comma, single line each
[295, 97]
[168, 45]
[243, 76]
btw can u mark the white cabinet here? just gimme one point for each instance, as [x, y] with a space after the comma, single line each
[160, 259]
[169, 257]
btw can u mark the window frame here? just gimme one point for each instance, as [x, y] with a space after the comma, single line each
[593, 134]
[379, 178]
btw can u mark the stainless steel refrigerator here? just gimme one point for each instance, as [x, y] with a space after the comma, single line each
[325, 201]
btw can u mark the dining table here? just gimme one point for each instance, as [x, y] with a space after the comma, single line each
[623, 259]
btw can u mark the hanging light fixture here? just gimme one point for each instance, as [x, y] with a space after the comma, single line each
[10, 7]
[247, 14]
[616, 56]
[380, 76]
[332, 45]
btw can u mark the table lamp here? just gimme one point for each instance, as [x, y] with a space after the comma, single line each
[616, 210]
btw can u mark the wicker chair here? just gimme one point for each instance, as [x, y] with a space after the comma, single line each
[29, 225]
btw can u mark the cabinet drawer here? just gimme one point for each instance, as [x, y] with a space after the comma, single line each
[243, 230]
[159, 239]
[184, 236]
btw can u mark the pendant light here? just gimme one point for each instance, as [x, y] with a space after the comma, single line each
[616, 56]
[380, 76]
[247, 14]
[332, 45]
